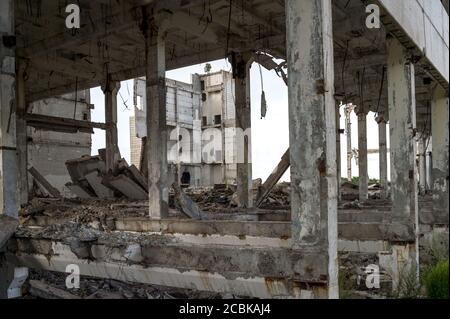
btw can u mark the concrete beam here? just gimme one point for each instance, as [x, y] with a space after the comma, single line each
[127, 186]
[95, 181]
[43, 181]
[312, 131]
[61, 124]
[241, 285]
[9, 201]
[440, 170]
[273, 179]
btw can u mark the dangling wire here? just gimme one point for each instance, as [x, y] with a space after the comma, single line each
[263, 94]
[76, 98]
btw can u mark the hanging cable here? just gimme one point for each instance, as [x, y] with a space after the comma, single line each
[381, 90]
[263, 94]
[76, 98]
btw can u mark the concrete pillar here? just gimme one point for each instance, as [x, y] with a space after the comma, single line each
[110, 89]
[439, 123]
[362, 154]
[156, 120]
[421, 153]
[243, 124]
[312, 133]
[348, 133]
[21, 134]
[338, 148]
[402, 119]
[382, 141]
[9, 203]
[429, 166]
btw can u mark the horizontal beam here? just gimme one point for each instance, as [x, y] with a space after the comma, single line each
[61, 124]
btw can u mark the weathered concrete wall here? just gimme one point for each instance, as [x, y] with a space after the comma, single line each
[426, 23]
[48, 151]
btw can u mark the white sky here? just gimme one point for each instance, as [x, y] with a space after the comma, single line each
[270, 136]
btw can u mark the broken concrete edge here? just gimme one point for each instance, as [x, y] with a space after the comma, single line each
[295, 268]
[352, 231]
[95, 181]
[227, 266]
[126, 186]
[187, 205]
[164, 276]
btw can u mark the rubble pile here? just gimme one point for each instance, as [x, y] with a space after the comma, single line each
[213, 199]
[279, 197]
[91, 180]
[47, 284]
[82, 210]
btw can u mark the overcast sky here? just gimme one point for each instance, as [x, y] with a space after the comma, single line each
[270, 136]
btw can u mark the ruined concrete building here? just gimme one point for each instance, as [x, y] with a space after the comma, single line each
[198, 109]
[50, 147]
[136, 227]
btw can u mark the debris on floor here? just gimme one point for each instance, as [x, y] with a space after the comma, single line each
[91, 180]
[52, 285]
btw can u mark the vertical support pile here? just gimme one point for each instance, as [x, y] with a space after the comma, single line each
[402, 119]
[421, 145]
[348, 133]
[312, 133]
[243, 125]
[382, 141]
[9, 204]
[338, 148]
[156, 119]
[404, 226]
[110, 90]
[439, 123]
[21, 134]
[362, 154]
